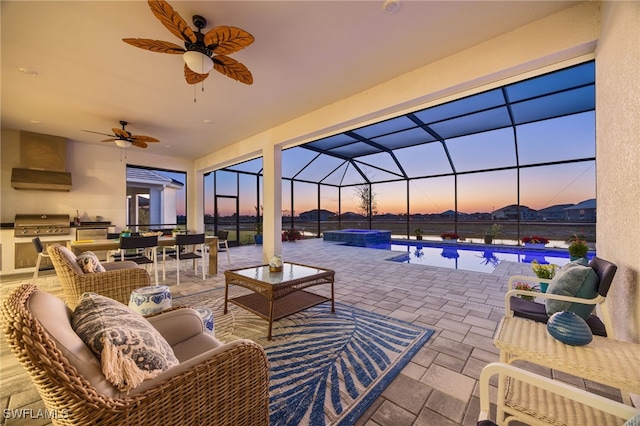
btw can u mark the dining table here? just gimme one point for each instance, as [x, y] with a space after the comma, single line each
[80, 246]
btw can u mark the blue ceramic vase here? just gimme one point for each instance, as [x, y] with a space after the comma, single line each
[569, 328]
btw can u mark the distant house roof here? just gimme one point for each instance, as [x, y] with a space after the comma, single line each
[514, 207]
[556, 208]
[587, 204]
[151, 177]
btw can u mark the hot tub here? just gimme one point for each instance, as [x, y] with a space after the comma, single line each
[358, 237]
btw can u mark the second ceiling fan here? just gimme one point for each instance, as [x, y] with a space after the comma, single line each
[202, 51]
[125, 139]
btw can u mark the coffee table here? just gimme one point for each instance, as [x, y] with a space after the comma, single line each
[278, 294]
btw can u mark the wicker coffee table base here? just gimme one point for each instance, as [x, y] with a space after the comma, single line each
[275, 294]
[288, 305]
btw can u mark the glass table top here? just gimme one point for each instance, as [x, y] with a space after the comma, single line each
[290, 272]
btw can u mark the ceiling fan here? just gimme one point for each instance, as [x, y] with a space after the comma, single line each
[202, 52]
[124, 139]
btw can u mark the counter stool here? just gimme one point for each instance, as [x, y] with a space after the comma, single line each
[41, 254]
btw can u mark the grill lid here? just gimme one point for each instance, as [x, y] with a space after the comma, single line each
[29, 220]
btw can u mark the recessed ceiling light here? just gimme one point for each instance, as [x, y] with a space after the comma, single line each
[28, 71]
[35, 122]
[208, 121]
[391, 6]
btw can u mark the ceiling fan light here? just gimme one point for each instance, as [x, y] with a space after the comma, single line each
[198, 62]
[122, 143]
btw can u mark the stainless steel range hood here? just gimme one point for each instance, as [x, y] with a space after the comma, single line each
[43, 163]
[41, 180]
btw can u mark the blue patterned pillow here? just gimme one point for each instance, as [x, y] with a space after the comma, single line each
[130, 349]
[89, 263]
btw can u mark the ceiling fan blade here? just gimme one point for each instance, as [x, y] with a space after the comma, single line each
[194, 77]
[109, 140]
[139, 144]
[172, 20]
[97, 133]
[143, 138]
[232, 69]
[122, 134]
[226, 40]
[155, 45]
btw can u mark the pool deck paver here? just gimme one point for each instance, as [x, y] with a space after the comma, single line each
[439, 386]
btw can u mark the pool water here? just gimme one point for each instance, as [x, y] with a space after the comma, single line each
[483, 258]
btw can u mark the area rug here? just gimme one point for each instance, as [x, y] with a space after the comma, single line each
[324, 368]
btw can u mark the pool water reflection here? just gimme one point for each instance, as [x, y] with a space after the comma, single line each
[482, 258]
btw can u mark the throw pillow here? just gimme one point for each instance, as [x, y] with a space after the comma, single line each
[130, 349]
[89, 263]
[575, 278]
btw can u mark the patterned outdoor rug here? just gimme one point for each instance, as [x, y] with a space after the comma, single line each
[325, 369]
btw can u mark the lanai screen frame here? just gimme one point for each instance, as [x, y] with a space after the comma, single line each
[565, 92]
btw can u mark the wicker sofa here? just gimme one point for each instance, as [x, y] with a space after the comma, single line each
[117, 282]
[214, 383]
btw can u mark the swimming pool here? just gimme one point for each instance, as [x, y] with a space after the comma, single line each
[483, 258]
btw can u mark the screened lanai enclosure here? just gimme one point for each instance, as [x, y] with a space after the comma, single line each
[521, 156]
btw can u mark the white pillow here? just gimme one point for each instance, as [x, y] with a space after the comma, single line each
[89, 263]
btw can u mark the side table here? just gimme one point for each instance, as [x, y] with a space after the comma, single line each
[207, 320]
[151, 299]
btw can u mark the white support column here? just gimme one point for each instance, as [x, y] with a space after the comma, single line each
[272, 202]
[195, 215]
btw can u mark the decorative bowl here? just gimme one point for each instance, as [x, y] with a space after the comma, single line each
[569, 328]
[275, 268]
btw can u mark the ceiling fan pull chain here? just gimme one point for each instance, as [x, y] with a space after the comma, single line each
[194, 93]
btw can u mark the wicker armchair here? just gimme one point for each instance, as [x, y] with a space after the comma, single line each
[117, 282]
[214, 384]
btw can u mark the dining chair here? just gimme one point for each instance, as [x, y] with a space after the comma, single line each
[187, 247]
[145, 251]
[41, 255]
[223, 243]
[112, 254]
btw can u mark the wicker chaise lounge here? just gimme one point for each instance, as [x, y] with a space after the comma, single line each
[117, 282]
[213, 384]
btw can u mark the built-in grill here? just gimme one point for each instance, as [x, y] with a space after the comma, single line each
[33, 225]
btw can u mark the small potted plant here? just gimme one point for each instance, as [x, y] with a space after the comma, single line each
[418, 233]
[491, 232]
[452, 236]
[535, 241]
[291, 235]
[125, 233]
[526, 287]
[544, 271]
[578, 249]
